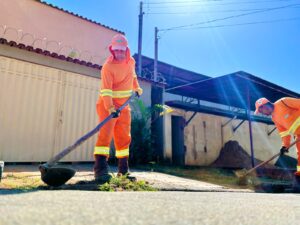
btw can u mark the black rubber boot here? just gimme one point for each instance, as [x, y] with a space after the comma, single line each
[122, 166]
[101, 169]
[123, 169]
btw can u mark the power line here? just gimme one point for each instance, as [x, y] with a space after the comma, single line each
[203, 1]
[228, 17]
[247, 23]
[200, 1]
[212, 2]
[210, 11]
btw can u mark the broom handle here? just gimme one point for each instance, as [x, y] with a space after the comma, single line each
[273, 157]
[70, 148]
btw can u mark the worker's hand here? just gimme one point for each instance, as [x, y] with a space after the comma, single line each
[139, 92]
[114, 112]
[284, 150]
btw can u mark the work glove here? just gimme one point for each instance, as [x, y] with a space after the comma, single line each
[284, 150]
[114, 112]
[139, 92]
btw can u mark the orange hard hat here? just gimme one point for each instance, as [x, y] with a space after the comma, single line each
[119, 42]
[260, 102]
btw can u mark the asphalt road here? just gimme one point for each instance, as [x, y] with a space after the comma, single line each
[87, 207]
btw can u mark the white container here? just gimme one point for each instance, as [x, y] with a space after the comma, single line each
[1, 169]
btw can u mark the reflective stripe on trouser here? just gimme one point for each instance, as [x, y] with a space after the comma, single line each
[101, 150]
[118, 129]
[122, 153]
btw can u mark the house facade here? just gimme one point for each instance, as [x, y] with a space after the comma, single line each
[49, 80]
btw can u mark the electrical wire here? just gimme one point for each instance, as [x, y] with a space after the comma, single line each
[214, 3]
[210, 11]
[246, 23]
[208, 1]
[228, 17]
[179, 2]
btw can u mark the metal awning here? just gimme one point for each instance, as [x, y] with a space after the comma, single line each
[172, 75]
[218, 112]
[238, 89]
[234, 89]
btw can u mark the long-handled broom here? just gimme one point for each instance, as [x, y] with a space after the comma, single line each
[54, 175]
[242, 175]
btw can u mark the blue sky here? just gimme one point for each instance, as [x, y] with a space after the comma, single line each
[268, 47]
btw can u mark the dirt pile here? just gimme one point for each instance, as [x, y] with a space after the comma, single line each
[232, 155]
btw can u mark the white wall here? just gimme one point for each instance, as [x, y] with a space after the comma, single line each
[196, 137]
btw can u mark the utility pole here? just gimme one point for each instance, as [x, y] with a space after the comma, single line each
[140, 39]
[157, 92]
[155, 54]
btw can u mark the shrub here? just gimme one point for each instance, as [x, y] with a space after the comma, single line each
[141, 151]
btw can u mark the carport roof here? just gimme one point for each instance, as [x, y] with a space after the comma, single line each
[173, 76]
[233, 90]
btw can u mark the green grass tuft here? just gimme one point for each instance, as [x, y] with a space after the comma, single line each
[124, 184]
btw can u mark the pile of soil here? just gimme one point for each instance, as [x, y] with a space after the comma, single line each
[232, 155]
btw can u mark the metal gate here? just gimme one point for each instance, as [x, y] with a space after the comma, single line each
[43, 110]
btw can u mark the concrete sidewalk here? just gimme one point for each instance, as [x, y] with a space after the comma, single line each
[161, 181]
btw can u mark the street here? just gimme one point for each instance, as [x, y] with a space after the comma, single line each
[90, 207]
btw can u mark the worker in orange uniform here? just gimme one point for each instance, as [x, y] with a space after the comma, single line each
[286, 115]
[118, 83]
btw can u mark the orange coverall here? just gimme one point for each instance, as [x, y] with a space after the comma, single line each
[118, 83]
[286, 116]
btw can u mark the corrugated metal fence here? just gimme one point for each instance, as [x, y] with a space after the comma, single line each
[43, 110]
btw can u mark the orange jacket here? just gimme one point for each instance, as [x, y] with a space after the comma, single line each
[118, 81]
[286, 116]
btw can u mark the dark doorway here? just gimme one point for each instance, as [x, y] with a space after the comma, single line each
[178, 151]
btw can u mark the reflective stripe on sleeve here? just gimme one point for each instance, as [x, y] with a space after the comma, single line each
[106, 92]
[121, 94]
[116, 94]
[292, 128]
